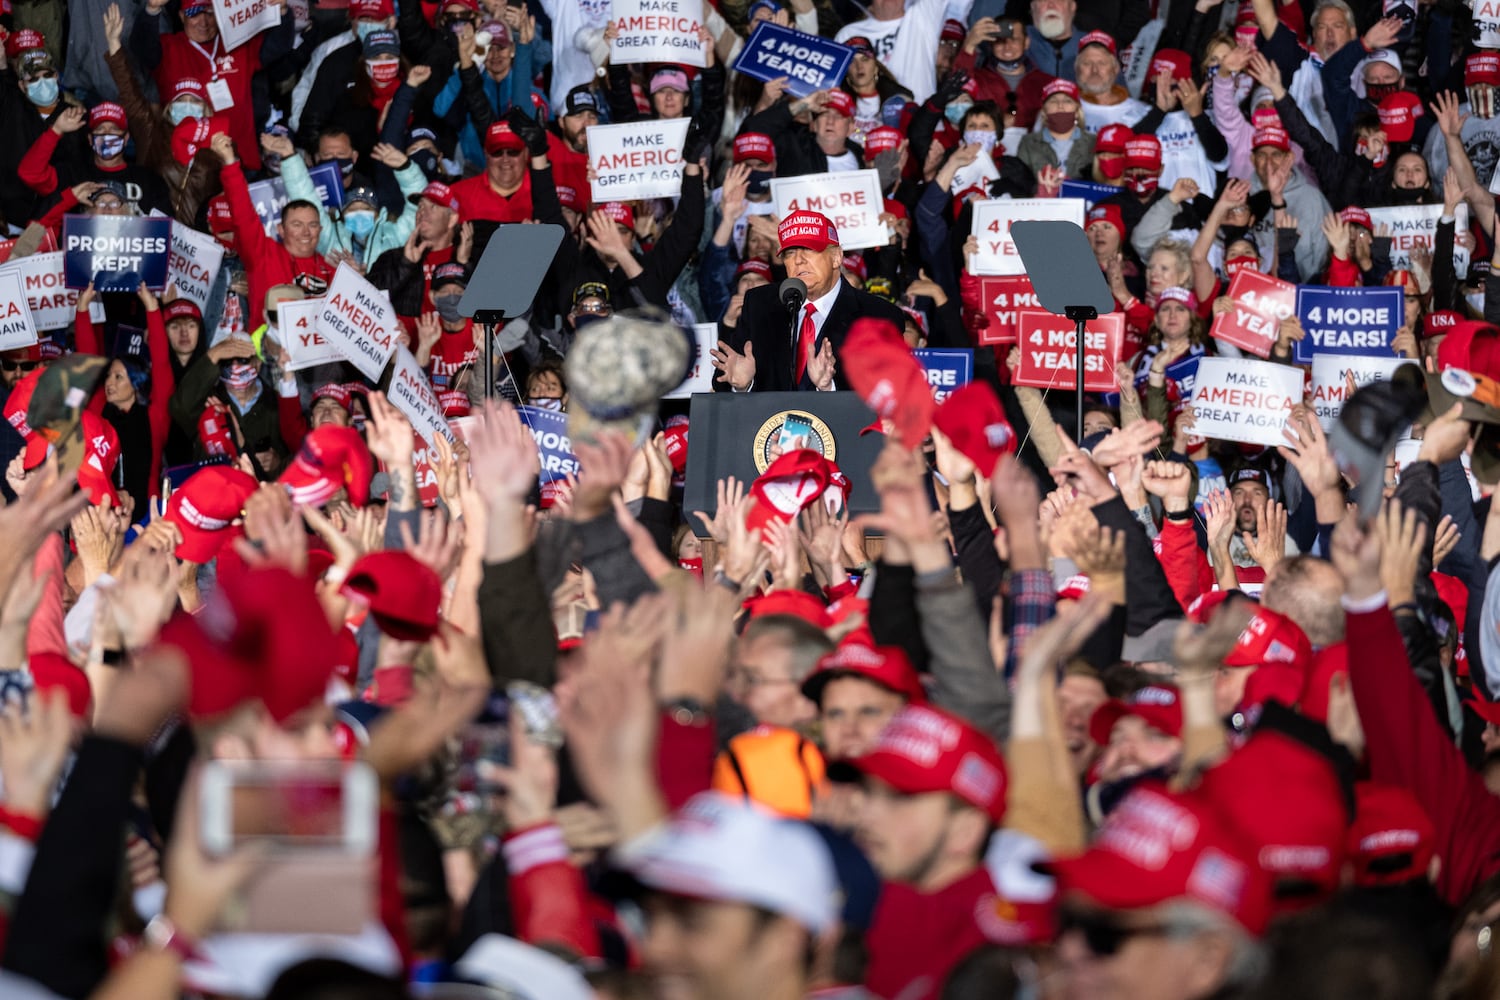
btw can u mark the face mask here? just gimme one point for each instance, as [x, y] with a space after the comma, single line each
[426, 161]
[384, 74]
[178, 111]
[1010, 67]
[359, 223]
[1406, 196]
[986, 140]
[1362, 148]
[1475, 302]
[552, 403]
[1112, 169]
[1232, 234]
[1142, 185]
[346, 167]
[43, 92]
[1244, 262]
[1378, 92]
[759, 182]
[364, 28]
[107, 147]
[447, 307]
[1482, 100]
[693, 566]
[1061, 122]
[239, 376]
[955, 111]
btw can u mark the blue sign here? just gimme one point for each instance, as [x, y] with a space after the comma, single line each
[1359, 321]
[550, 428]
[947, 369]
[1090, 192]
[269, 198]
[115, 252]
[808, 62]
[330, 184]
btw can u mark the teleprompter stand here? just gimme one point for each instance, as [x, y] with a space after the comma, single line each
[503, 285]
[1067, 280]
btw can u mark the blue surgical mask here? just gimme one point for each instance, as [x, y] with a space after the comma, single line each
[955, 111]
[180, 111]
[359, 223]
[42, 92]
[364, 28]
[984, 138]
[107, 147]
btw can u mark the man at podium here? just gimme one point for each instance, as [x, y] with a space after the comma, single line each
[788, 338]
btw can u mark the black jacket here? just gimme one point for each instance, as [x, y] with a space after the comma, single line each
[797, 150]
[767, 324]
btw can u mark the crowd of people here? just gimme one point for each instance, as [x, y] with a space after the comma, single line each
[1031, 707]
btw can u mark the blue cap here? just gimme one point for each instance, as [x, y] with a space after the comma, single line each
[769, 5]
[382, 43]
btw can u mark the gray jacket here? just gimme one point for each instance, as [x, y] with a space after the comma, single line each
[965, 679]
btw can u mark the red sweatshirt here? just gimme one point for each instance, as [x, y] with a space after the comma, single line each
[267, 262]
[1184, 563]
[477, 200]
[548, 899]
[1407, 747]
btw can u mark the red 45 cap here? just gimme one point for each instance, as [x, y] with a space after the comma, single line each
[331, 458]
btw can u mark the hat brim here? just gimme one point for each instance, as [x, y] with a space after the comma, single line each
[1440, 401]
[904, 775]
[804, 245]
[1105, 878]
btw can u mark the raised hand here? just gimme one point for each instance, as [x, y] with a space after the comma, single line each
[1267, 546]
[503, 456]
[1171, 481]
[730, 493]
[735, 369]
[71, 119]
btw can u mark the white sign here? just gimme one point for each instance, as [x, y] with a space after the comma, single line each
[52, 304]
[701, 378]
[297, 331]
[1331, 373]
[193, 264]
[1416, 225]
[241, 20]
[1486, 25]
[992, 218]
[851, 200]
[651, 31]
[412, 393]
[637, 160]
[16, 327]
[1240, 399]
[360, 321]
[980, 173]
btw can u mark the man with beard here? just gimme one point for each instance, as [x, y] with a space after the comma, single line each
[568, 144]
[1250, 493]
[1480, 134]
[1053, 46]
[1141, 737]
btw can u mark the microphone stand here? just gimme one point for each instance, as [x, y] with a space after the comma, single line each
[1080, 315]
[794, 303]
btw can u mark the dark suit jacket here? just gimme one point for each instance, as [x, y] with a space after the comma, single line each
[768, 325]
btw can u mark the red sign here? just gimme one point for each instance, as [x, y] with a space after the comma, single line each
[1047, 351]
[1261, 302]
[1003, 298]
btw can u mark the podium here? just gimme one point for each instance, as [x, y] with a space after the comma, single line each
[731, 434]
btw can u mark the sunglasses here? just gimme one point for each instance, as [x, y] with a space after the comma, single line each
[271, 315]
[498, 154]
[19, 366]
[1101, 935]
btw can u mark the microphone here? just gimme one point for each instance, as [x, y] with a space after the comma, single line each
[793, 293]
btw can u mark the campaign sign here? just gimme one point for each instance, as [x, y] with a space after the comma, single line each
[1002, 299]
[550, 429]
[193, 264]
[52, 303]
[269, 198]
[16, 326]
[997, 251]
[808, 62]
[650, 31]
[116, 252]
[1239, 399]
[701, 378]
[1331, 374]
[1261, 302]
[1487, 25]
[241, 20]
[1048, 360]
[1416, 226]
[948, 369]
[637, 160]
[412, 394]
[360, 321]
[328, 182]
[851, 200]
[46, 245]
[1348, 321]
[297, 331]
[1091, 193]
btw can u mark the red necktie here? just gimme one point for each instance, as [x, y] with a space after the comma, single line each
[805, 340]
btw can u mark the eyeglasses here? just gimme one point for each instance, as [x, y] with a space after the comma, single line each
[19, 366]
[502, 153]
[1103, 936]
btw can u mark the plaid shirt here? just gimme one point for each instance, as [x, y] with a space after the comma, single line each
[1032, 599]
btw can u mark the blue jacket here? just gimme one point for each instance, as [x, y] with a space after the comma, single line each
[516, 88]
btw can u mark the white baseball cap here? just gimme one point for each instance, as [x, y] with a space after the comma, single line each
[721, 848]
[522, 970]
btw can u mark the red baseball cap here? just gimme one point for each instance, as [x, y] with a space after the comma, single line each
[675, 440]
[972, 418]
[55, 672]
[205, 509]
[889, 378]
[619, 213]
[403, 594]
[1112, 139]
[792, 603]
[1174, 61]
[106, 113]
[1440, 321]
[187, 86]
[953, 31]
[887, 666]
[1482, 67]
[501, 136]
[788, 487]
[1060, 86]
[1398, 115]
[371, 10]
[1143, 151]
[1103, 38]
[807, 231]
[25, 40]
[1271, 135]
[336, 391]
[1391, 838]
[568, 197]
[101, 452]
[754, 146]
[1271, 638]
[1180, 295]
[261, 634]
[1356, 216]
[330, 458]
[1109, 215]
[840, 103]
[752, 265]
[1158, 705]
[854, 262]
[439, 194]
[882, 140]
[923, 749]
[181, 309]
[1157, 846]
[1472, 345]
